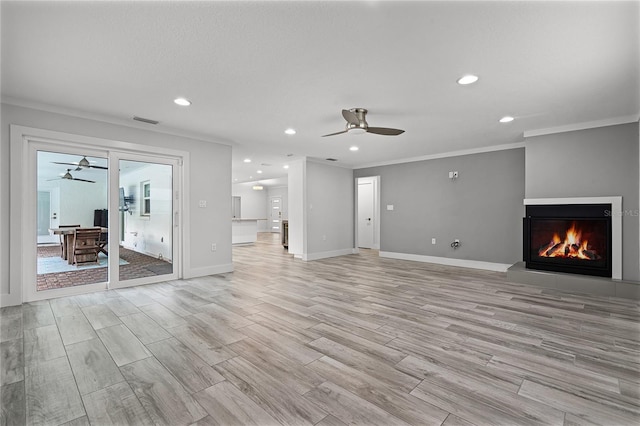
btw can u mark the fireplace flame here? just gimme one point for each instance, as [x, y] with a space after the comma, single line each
[572, 246]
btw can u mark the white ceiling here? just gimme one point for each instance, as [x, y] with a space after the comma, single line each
[253, 69]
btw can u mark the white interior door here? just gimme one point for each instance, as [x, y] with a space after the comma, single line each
[45, 218]
[366, 217]
[275, 214]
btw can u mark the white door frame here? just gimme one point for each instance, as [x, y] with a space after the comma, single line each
[114, 219]
[376, 210]
[25, 142]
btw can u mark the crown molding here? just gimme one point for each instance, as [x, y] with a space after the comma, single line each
[113, 120]
[459, 153]
[613, 121]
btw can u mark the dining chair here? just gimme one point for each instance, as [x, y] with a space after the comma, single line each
[62, 237]
[86, 245]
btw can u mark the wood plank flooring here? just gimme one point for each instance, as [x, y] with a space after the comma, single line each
[349, 340]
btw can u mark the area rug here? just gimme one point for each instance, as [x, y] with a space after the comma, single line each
[54, 265]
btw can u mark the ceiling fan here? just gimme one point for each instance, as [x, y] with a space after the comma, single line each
[82, 164]
[69, 177]
[356, 123]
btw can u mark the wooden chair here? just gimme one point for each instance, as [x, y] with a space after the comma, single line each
[62, 237]
[103, 241]
[86, 245]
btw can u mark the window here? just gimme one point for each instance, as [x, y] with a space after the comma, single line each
[145, 205]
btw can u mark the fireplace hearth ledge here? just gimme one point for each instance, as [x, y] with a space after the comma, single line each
[574, 283]
[616, 223]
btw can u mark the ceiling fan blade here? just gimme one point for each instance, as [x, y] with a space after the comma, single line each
[351, 117]
[385, 131]
[336, 133]
[83, 180]
[67, 164]
[49, 180]
[98, 167]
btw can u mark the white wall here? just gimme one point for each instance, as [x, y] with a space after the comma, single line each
[207, 177]
[78, 200]
[296, 193]
[253, 204]
[150, 235]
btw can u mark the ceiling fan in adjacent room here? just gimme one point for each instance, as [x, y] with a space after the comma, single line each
[356, 123]
[82, 164]
[68, 176]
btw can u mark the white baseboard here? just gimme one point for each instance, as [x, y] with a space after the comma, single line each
[10, 300]
[463, 263]
[208, 270]
[326, 254]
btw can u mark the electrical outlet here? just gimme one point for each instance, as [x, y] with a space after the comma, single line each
[433, 241]
[214, 247]
[450, 175]
[202, 203]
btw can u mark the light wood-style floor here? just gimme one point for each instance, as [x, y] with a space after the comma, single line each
[349, 340]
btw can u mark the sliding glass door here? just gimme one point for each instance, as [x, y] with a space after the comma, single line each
[72, 196]
[100, 220]
[147, 220]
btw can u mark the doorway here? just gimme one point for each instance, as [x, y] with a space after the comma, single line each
[137, 234]
[368, 207]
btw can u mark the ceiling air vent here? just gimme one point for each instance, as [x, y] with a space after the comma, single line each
[331, 159]
[146, 120]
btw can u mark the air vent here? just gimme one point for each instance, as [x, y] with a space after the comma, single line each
[146, 120]
[265, 164]
[331, 159]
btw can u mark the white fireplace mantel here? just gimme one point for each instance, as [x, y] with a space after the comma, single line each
[616, 223]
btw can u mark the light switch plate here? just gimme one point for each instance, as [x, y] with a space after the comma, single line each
[389, 206]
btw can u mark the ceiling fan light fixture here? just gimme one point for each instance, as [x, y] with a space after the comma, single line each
[467, 79]
[357, 130]
[84, 162]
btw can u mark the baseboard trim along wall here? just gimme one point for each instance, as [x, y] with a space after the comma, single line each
[209, 270]
[463, 263]
[326, 254]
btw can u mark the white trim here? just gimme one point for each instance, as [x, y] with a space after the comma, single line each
[326, 254]
[159, 128]
[461, 263]
[613, 121]
[459, 153]
[208, 270]
[616, 223]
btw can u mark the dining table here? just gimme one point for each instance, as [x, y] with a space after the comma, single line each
[68, 239]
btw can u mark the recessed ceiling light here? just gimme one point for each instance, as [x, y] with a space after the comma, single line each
[259, 172]
[247, 160]
[182, 101]
[290, 131]
[468, 79]
[286, 166]
[250, 177]
[506, 119]
[354, 148]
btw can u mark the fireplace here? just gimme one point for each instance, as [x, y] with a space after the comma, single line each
[574, 238]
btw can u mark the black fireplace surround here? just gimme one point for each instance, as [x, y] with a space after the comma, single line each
[573, 238]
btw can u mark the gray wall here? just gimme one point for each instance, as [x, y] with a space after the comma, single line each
[209, 178]
[330, 207]
[483, 207]
[591, 163]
